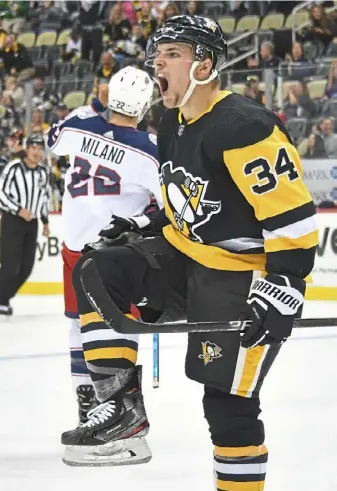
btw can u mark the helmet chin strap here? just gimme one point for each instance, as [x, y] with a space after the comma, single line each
[195, 82]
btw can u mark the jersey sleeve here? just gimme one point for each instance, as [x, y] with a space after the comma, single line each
[61, 135]
[7, 203]
[151, 169]
[267, 169]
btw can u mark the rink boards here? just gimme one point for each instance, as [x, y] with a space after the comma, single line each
[46, 278]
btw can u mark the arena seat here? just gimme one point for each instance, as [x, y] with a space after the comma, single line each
[74, 99]
[272, 21]
[27, 39]
[47, 38]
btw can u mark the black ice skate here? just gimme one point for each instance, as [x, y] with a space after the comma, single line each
[86, 400]
[114, 433]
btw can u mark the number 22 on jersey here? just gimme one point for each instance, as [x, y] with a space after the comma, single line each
[106, 181]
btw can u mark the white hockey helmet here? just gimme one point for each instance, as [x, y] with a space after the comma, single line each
[130, 92]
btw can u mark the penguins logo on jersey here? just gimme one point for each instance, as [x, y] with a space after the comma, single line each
[210, 352]
[185, 202]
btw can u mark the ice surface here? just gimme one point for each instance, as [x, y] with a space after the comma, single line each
[299, 409]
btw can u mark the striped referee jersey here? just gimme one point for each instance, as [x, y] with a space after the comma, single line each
[25, 187]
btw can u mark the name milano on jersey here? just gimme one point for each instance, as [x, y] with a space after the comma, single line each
[113, 170]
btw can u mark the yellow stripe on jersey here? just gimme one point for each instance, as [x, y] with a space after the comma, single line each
[266, 174]
[239, 486]
[230, 452]
[89, 318]
[286, 243]
[211, 256]
[104, 353]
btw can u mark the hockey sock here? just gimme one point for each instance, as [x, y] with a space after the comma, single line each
[240, 468]
[79, 371]
[108, 355]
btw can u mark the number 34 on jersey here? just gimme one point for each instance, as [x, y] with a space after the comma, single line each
[268, 175]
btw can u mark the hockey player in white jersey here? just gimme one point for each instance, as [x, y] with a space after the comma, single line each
[113, 173]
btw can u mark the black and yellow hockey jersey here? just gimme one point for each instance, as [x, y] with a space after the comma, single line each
[233, 190]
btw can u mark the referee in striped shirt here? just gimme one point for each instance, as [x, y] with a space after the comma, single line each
[24, 192]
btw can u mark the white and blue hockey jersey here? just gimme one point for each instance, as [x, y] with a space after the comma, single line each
[113, 170]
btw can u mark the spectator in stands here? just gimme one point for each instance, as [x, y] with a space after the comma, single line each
[144, 18]
[315, 147]
[47, 16]
[331, 86]
[298, 66]
[129, 12]
[38, 126]
[170, 10]
[9, 117]
[322, 29]
[15, 91]
[195, 8]
[298, 103]
[3, 32]
[237, 8]
[267, 57]
[44, 98]
[16, 60]
[260, 8]
[117, 27]
[91, 18]
[62, 111]
[252, 90]
[72, 50]
[109, 67]
[14, 144]
[14, 16]
[329, 137]
[137, 37]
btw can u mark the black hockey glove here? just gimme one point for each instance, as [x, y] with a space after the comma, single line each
[275, 302]
[96, 246]
[119, 225]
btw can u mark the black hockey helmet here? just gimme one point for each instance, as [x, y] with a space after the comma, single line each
[203, 34]
[35, 139]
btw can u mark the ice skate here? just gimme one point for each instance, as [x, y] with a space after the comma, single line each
[114, 433]
[86, 400]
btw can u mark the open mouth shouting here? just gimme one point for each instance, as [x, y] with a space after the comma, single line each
[163, 83]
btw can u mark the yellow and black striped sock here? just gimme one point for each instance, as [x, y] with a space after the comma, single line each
[106, 352]
[240, 468]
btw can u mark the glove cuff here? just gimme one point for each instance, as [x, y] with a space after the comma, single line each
[140, 221]
[287, 280]
[277, 291]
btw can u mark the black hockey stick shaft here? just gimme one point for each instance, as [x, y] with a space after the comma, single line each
[115, 319]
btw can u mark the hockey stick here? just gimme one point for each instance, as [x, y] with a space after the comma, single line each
[115, 319]
[155, 351]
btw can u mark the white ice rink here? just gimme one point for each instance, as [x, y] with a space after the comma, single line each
[299, 409]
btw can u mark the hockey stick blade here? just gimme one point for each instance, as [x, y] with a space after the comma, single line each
[115, 319]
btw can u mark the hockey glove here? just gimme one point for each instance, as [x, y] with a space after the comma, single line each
[119, 225]
[96, 246]
[275, 302]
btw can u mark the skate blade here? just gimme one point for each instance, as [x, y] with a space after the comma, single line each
[123, 452]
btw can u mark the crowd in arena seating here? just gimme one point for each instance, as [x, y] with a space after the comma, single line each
[67, 48]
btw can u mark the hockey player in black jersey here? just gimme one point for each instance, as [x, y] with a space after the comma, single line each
[238, 239]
